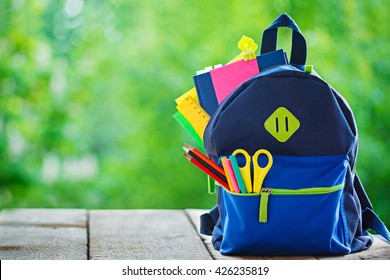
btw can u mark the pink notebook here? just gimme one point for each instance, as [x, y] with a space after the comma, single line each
[229, 77]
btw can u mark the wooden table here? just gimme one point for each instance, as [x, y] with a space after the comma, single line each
[78, 234]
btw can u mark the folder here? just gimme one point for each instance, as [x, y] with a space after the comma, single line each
[206, 94]
[270, 59]
[214, 86]
[227, 78]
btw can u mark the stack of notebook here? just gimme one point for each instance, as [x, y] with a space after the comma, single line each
[214, 84]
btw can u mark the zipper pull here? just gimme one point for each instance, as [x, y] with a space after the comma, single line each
[263, 213]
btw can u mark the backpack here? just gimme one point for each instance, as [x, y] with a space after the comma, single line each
[312, 201]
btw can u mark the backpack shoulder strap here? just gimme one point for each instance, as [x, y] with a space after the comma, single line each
[209, 220]
[369, 217]
[372, 221]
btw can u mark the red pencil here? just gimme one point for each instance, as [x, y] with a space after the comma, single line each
[206, 164]
[207, 171]
[202, 158]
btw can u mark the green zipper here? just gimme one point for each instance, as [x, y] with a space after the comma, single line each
[266, 192]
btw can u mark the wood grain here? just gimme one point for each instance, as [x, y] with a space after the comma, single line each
[49, 234]
[42, 234]
[144, 234]
[380, 250]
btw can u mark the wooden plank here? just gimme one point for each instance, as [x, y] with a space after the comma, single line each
[144, 234]
[379, 250]
[29, 234]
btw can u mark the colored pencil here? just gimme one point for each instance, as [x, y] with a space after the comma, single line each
[206, 162]
[207, 171]
[203, 158]
[230, 173]
[230, 184]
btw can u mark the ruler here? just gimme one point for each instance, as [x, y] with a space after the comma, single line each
[194, 114]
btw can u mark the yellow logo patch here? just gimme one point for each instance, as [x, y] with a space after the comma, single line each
[282, 124]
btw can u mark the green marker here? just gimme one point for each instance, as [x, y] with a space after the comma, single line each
[237, 173]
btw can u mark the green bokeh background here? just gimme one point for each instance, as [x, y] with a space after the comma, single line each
[87, 93]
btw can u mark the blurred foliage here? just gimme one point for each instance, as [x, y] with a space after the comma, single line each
[87, 92]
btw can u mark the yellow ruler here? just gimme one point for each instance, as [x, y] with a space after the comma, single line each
[194, 114]
[192, 93]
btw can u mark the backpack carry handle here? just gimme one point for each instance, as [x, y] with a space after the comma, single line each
[298, 47]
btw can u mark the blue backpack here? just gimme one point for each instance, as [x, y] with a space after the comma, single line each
[312, 201]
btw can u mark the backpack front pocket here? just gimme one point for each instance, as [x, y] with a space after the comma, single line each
[293, 214]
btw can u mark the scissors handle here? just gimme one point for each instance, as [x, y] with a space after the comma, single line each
[260, 172]
[246, 169]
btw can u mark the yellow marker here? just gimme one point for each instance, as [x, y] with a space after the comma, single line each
[223, 160]
[248, 47]
[246, 169]
[194, 114]
[259, 172]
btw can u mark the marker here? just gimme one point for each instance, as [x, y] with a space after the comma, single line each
[207, 171]
[237, 174]
[230, 174]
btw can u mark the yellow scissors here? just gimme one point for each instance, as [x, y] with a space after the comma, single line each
[259, 172]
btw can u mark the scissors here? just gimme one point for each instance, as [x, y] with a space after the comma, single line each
[259, 172]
